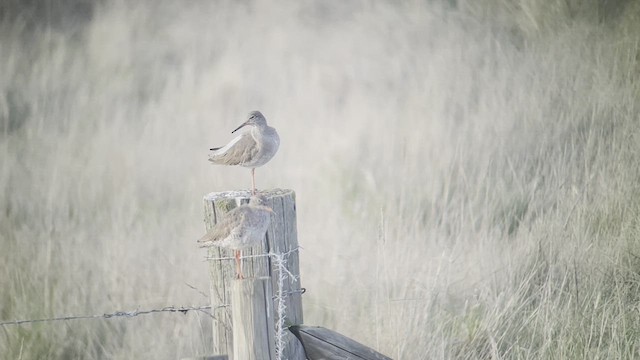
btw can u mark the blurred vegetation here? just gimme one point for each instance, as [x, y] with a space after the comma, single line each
[466, 171]
[47, 15]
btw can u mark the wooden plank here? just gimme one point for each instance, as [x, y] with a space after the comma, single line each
[293, 349]
[252, 316]
[323, 344]
[281, 237]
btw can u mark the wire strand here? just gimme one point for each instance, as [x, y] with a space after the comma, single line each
[270, 254]
[182, 309]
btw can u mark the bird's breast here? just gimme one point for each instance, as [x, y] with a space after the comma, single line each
[268, 145]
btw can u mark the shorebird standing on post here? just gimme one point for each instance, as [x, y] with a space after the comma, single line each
[251, 149]
[242, 227]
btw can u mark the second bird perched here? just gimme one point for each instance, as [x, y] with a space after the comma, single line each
[251, 149]
[242, 227]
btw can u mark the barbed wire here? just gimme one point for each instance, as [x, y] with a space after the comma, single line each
[269, 254]
[279, 297]
[181, 309]
[280, 262]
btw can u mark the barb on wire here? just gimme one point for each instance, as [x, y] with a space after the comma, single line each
[291, 292]
[182, 309]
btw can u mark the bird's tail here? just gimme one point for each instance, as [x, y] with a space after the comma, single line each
[215, 159]
[205, 241]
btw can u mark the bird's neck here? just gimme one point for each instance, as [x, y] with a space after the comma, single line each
[258, 130]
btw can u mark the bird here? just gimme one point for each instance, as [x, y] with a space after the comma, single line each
[242, 227]
[251, 149]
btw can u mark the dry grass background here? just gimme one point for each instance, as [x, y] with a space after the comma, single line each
[466, 171]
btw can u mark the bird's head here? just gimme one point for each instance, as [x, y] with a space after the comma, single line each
[259, 200]
[255, 119]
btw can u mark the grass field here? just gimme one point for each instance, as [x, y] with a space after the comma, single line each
[466, 171]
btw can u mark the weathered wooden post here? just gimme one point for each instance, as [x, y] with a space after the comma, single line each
[252, 316]
[281, 238]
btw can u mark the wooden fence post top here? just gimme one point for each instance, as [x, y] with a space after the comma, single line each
[234, 194]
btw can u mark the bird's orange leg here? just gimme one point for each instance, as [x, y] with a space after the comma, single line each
[253, 181]
[239, 273]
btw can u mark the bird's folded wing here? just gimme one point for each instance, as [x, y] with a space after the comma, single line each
[232, 220]
[237, 152]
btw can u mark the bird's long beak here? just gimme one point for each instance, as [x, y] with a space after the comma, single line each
[270, 210]
[241, 126]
